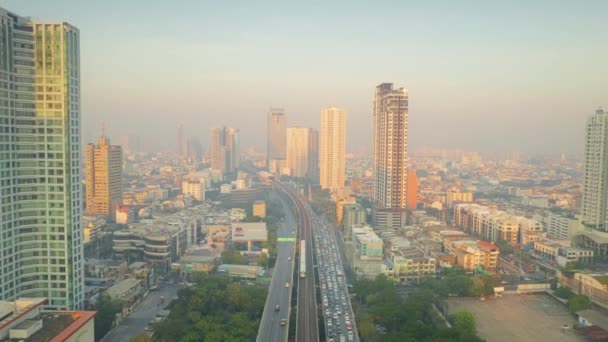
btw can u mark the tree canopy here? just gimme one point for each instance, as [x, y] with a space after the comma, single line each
[413, 318]
[216, 309]
[579, 302]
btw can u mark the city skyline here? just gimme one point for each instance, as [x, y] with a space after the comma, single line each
[468, 58]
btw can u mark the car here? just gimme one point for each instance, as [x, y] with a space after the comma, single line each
[277, 307]
[286, 284]
[288, 258]
[350, 336]
[283, 321]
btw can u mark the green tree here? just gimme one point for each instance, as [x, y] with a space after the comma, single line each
[263, 260]
[563, 292]
[464, 321]
[233, 257]
[107, 309]
[478, 287]
[579, 302]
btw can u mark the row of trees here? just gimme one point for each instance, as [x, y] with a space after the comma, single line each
[456, 283]
[216, 309]
[410, 319]
[576, 302]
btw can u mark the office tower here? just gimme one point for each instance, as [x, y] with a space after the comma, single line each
[313, 156]
[224, 149]
[181, 143]
[390, 156]
[233, 144]
[595, 180]
[332, 148]
[41, 249]
[103, 178]
[412, 189]
[276, 135]
[298, 151]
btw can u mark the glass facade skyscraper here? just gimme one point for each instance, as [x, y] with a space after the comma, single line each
[41, 253]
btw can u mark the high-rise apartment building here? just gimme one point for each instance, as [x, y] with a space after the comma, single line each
[224, 149]
[332, 148]
[276, 135]
[313, 156]
[41, 248]
[390, 156]
[595, 179]
[103, 178]
[298, 151]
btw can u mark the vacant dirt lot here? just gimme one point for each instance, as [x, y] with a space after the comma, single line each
[519, 318]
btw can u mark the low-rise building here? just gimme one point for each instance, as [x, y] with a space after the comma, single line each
[592, 285]
[125, 214]
[259, 208]
[241, 271]
[197, 260]
[160, 240]
[474, 256]
[25, 320]
[248, 233]
[408, 269]
[194, 188]
[456, 196]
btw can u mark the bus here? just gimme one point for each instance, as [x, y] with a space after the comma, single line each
[302, 259]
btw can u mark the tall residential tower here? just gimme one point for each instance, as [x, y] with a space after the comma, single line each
[41, 249]
[595, 180]
[390, 156]
[276, 135]
[103, 177]
[224, 149]
[332, 148]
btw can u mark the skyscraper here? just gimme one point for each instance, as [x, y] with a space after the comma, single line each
[390, 156]
[103, 177]
[224, 148]
[276, 135]
[298, 151]
[313, 156]
[332, 148]
[595, 180]
[41, 249]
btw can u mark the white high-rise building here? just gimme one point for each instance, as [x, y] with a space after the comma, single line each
[390, 156]
[298, 151]
[595, 180]
[332, 148]
[41, 242]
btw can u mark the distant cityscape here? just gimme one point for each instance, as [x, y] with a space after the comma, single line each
[111, 241]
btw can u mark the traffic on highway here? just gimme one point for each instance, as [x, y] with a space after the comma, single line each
[337, 311]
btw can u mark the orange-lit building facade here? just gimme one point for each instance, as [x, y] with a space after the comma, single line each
[412, 190]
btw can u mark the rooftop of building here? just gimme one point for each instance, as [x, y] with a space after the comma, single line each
[56, 325]
[12, 311]
[122, 287]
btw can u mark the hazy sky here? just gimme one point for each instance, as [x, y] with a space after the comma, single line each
[482, 75]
